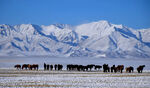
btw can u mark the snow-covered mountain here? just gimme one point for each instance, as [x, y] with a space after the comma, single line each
[95, 39]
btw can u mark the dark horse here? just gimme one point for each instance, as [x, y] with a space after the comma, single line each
[90, 66]
[129, 69]
[18, 66]
[59, 67]
[45, 67]
[76, 67]
[56, 67]
[114, 69]
[51, 67]
[98, 67]
[120, 68]
[106, 68]
[140, 68]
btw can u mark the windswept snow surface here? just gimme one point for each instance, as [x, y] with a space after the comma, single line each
[10, 77]
[95, 39]
[66, 79]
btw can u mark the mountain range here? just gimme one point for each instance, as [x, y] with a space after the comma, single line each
[95, 39]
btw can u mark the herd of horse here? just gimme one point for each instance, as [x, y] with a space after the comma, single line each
[74, 67]
[27, 66]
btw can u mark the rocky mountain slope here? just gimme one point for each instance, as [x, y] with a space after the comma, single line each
[95, 39]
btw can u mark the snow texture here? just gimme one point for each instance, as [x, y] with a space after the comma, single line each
[63, 79]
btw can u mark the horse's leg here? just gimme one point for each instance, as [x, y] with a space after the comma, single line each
[111, 70]
[138, 71]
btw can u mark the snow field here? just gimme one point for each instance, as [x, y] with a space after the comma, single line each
[73, 79]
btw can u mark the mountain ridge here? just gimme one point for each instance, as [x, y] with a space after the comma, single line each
[95, 39]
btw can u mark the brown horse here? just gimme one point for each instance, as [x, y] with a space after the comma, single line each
[30, 67]
[35, 67]
[140, 68]
[26, 66]
[18, 66]
[120, 68]
[129, 69]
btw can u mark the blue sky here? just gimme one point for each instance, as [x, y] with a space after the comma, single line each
[131, 13]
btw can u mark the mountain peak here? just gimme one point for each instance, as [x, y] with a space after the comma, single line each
[103, 22]
[94, 28]
[4, 25]
[62, 26]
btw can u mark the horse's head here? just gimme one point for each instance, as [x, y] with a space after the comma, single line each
[143, 65]
[113, 65]
[104, 64]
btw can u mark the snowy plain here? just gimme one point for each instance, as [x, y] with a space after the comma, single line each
[10, 77]
[66, 79]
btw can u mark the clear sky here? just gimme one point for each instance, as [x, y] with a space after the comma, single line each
[131, 13]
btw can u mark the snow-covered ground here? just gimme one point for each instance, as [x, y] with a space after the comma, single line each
[73, 79]
[10, 77]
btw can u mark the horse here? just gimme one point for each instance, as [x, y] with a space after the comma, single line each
[129, 69]
[35, 66]
[18, 66]
[45, 66]
[77, 67]
[69, 67]
[114, 69]
[56, 67]
[26, 66]
[140, 68]
[51, 67]
[85, 68]
[106, 68]
[98, 67]
[60, 67]
[80, 68]
[120, 68]
[90, 66]
[30, 67]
